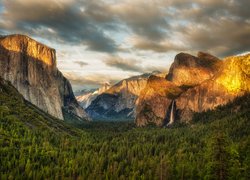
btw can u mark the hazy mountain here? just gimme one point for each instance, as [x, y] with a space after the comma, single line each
[85, 97]
[119, 101]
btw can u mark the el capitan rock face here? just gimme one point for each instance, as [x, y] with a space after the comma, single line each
[204, 82]
[31, 67]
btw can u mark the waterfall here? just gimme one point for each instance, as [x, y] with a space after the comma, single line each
[171, 119]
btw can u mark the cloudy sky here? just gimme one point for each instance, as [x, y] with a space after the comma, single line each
[101, 41]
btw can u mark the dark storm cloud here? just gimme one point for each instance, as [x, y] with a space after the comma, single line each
[160, 47]
[132, 65]
[123, 64]
[91, 80]
[221, 27]
[143, 18]
[66, 21]
[218, 26]
[225, 38]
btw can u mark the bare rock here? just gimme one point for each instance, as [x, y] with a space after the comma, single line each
[232, 80]
[199, 83]
[31, 67]
[119, 101]
[154, 100]
[188, 70]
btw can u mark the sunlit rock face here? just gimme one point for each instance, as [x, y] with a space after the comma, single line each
[200, 83]
[235, 75]
[118, 102]
[190, 70]
[232, 80]
[186, 72]
[153, 101]
[31, 67]
[31, 49]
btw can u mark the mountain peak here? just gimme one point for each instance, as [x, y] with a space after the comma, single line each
[22, 37]
[29, 47]
[198, 83]
[190, 70]
[203, 59]
[31, 68]
[184, 59]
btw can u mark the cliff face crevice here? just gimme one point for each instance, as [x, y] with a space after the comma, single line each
[204, 82]
[31, 67]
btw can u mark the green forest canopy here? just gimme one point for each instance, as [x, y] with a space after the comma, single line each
[34, 145]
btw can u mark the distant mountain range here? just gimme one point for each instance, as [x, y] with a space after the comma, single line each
[115, 102]
[193, 84]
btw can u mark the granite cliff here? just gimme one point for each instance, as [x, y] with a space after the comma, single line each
[189, 70]
[31, 67]
[231, 80]
[193, 84]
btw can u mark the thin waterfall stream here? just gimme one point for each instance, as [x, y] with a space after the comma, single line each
[171, 119]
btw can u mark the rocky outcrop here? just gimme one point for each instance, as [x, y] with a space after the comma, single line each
[154, 100]
[200, 83]
[188, 70]
[86, 97]
[231, 80]
[118, 102]
[31, 67]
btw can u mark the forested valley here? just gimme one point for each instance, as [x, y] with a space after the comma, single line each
[33, 145]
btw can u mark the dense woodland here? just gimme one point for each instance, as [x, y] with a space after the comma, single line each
[33, 145]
